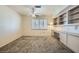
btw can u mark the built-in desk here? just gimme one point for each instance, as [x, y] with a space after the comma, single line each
[70, 39]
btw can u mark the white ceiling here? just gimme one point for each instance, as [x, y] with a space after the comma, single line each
[44, 10]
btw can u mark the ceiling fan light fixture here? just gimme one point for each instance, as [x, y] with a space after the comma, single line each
[38, 6]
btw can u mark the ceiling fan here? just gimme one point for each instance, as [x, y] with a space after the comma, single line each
[34, 9]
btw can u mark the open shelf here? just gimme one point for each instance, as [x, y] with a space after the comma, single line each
[62, 19]
[74, 20]
[55, 21]
[75, 13]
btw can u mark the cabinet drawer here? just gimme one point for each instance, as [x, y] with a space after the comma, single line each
[73, 42]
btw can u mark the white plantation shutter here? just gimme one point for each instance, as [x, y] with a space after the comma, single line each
[45, 24]
[39, 24]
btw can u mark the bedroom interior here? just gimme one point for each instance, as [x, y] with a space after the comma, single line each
[39, 29]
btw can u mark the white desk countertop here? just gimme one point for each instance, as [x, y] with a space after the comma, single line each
[69, 32]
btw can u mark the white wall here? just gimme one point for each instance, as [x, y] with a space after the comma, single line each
[58, 8]
[10, 25]
[28, 31]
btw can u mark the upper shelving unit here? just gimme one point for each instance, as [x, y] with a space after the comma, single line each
[55, 21]
[62, 19]
[73, 15]
[69, 16]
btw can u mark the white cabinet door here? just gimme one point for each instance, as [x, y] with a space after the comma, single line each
[73, 42]
[63, 38]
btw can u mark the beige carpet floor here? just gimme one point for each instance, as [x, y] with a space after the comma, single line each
[35, 45]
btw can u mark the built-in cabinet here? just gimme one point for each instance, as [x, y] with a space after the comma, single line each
[68, 21]
[73, 42]
[70, 40]
[63, 38]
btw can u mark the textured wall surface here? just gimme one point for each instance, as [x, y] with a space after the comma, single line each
[10, 25]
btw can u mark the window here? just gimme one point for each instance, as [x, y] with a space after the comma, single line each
[39, 24]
